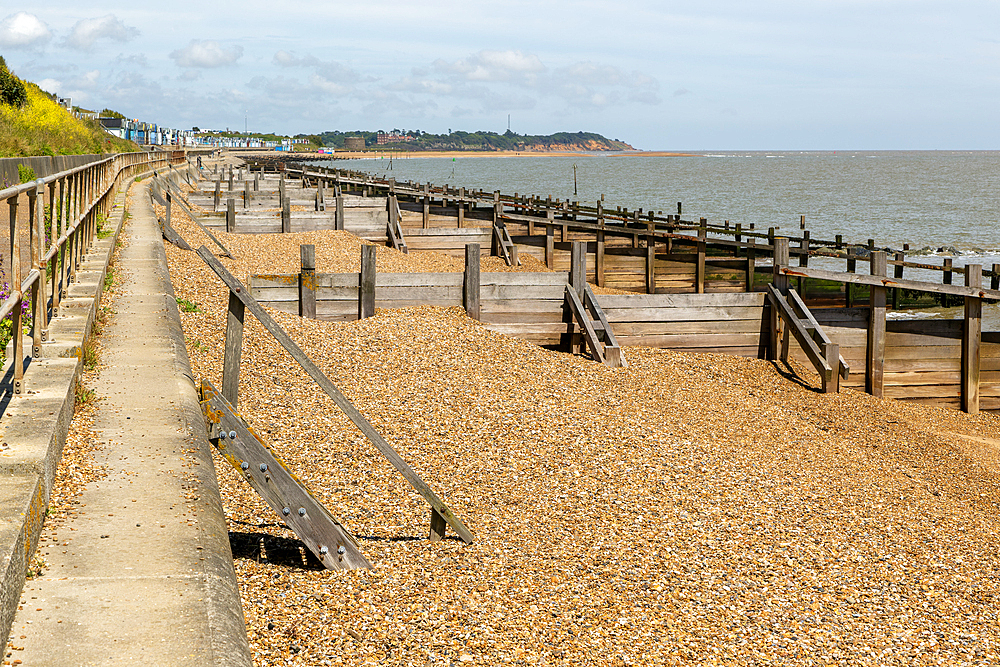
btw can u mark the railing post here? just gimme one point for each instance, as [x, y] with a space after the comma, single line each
[971, 339]
[17, 358]
[366, 283]
[471, 282]
[898, 275]
[700, 266]
[851, 268]
[231, 215]
[234, 349]
[286, 215]
[578, 267]
[875, 351]
[780, 282]
[338, 215]
[246, 194]
[427, 206]
[550, 247]
[218, 195]
[832, 386]
[650, 264]
[307, 281]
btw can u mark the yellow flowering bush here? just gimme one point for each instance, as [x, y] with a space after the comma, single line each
[42, 127]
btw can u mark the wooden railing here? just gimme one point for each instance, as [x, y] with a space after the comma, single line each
[63, 214]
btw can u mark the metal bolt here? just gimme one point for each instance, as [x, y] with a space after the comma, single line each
[232, 435]
[222, 435]
[263, 467]
[302, 511]
[286, 511]
[324, 550]
[244, 465]
[341, 550]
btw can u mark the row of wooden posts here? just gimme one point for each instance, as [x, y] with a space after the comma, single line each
[735, 239]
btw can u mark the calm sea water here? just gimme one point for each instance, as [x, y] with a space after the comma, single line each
[928, 199]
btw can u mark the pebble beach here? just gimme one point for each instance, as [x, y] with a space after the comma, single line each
[688, 509]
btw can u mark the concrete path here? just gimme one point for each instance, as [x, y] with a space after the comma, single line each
[146, 576]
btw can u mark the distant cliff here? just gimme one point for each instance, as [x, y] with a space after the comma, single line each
[415, 140]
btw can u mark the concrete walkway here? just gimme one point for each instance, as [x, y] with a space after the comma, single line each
[146, 577]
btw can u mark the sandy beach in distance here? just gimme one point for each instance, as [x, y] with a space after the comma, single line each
[403, 155]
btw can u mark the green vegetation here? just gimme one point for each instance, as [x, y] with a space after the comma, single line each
[83, 395]
[25, 173]
[89, 354]
[12, 91]
[188, 306]
[479, 141]
[33, 124]
[103, 229]
[111, 113]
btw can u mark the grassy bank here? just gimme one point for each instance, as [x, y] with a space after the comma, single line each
[41, 127]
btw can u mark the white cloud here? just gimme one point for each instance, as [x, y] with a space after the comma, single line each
[23, 30]
[206, 53]
[493, 66]
[286, 59]
[50, 85]
[87, 31]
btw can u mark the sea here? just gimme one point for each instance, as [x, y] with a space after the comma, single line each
[940, 203]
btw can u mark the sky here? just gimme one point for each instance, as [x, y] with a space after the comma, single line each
[710, 75]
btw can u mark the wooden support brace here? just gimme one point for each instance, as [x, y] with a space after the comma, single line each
[335, 394]
[268, 475]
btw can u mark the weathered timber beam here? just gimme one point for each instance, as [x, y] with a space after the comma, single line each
[331, 390]
[878, 281]
[257, 463]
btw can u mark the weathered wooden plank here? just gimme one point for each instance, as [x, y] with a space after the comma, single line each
[582, 318]
[233, 350]
[334, 393]
[261, 467]
[971, 339]
[623, 301]
[472, 281]
[875, 358]
[690, 341]
[307, 282]
[861, 279]
[693, 314]
[696, 327]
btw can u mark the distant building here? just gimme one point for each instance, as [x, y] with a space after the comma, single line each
[354, 143]
[392, 138]
[65, 102]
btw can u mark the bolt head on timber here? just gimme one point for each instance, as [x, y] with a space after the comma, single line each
[302, 511]
[244, 465]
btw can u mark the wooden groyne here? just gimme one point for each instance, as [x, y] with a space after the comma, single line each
[702, 287]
